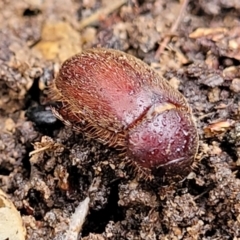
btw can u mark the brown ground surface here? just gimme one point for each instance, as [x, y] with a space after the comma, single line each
[201, 59]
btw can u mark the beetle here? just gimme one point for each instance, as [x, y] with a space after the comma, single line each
[119, 100]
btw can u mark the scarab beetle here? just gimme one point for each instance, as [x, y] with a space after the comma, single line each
[122, 102]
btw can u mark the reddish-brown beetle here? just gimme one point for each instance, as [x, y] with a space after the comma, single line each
[119, 100]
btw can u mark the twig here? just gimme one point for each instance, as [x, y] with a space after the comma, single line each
[102, 12]
[173, 29]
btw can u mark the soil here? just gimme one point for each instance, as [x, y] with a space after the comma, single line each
[67, 186]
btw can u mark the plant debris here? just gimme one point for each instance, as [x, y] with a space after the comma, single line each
[200, 57]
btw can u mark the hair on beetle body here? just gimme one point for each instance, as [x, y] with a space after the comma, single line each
[120, 101]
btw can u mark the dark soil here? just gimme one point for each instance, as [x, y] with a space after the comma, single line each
[48, 170]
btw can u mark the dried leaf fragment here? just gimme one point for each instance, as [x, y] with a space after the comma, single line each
[11, 225]
[46, 144]
[218, 128]
[214, 33]
[59, 41]
[221, 41]
[77, 220]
